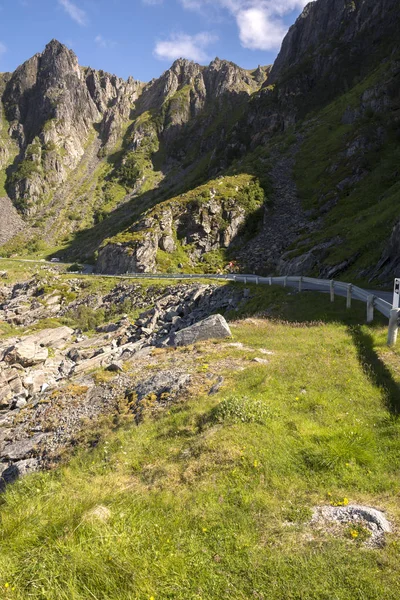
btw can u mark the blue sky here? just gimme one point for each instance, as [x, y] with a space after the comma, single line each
[143, 37]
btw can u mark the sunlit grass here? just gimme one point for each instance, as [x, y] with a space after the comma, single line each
[203, 505]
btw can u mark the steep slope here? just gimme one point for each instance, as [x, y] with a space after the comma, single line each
[141, 176]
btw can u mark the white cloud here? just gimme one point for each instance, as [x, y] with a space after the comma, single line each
[103, 42]
[3, 48]
[152, 2]
[77, 14]
[182, 45]
[260, 22]
[258, 31]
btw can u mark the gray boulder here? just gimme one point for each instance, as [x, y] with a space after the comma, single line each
[214, 327]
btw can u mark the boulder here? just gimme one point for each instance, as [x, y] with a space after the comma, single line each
[27, 353]
[51, 337]
[214, 327]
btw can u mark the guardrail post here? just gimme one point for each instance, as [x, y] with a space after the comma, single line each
[257, 280]
[270, 281]
[245, 280]
[332, 290]
[348, 297]
[393, 326]
[285, 282]
[370, 308]
[300, 283]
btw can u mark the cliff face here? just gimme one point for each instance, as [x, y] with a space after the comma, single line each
[83, 151]
[51, 105]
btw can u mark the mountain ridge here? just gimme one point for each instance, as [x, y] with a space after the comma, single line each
[100, 154]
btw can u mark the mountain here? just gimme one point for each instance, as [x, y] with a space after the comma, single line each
[291, 168]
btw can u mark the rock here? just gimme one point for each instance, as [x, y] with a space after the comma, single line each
[260, 361]
[163, 385]
[51, 337]
[35, 381]
[108, 328]
[115, 367]
[27, 353]
[22, 448]
[214, 327]
[100, 360]
[374, 520]
[10, 472]
[20, 403]
[217, 386]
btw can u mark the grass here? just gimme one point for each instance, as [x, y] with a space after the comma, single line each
[365, 211]
[211, 498]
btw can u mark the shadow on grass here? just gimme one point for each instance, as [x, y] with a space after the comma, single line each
[375, 368]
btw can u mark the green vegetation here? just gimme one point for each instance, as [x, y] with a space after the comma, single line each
[212, 497]
[241, 191]
[363, 212]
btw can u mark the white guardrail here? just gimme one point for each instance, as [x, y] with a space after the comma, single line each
[348, 290]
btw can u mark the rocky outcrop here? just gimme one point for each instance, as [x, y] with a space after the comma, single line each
[214, 327]
[48, 392]
[52, 104]
[206, 220]
[330, 47]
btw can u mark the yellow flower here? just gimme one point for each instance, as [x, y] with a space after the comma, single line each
[256, 463]
[296, 398]
[354, 533]
[205, 529]
[6, 585]
[345, 501]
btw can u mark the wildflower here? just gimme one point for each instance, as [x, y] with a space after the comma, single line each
[296, 398]
[7, 585]
[256, 463]
[205, 529]
[354, 533]
[345, 501]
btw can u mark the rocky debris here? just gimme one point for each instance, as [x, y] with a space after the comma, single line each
[45, 384]
[355, 514]
[10, 221]
[214, 327]
[32, 437]
[157, 391]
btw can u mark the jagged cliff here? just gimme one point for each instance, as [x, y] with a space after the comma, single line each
[141, 176]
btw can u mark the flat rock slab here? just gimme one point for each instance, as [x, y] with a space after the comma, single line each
[213, 327]
[50, 337]
[23, 448]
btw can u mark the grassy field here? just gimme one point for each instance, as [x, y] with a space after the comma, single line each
[211, 499]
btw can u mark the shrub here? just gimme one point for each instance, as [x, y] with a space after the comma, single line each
[85, 317]
[241, 409]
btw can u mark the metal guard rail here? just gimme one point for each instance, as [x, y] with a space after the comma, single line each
[322, 285]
